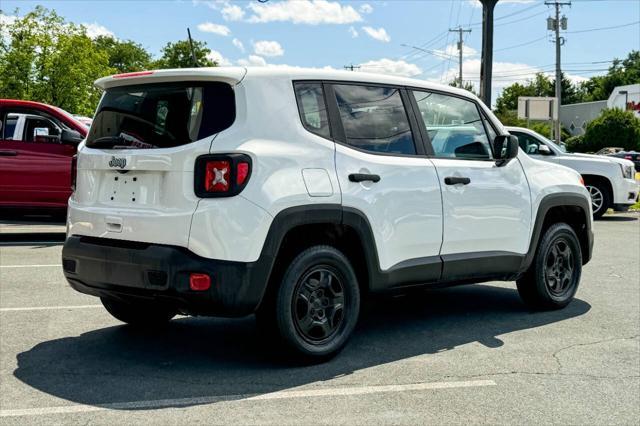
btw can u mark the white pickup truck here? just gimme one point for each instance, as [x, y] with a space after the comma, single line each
[610, 180]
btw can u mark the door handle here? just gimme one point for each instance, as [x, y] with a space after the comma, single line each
[363, 177]
[5, 153]
[454, 180]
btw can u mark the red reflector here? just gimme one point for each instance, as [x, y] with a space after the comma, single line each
[242, 171]
[217, 176]
[132, 74]
[199, 282]
[581, 181]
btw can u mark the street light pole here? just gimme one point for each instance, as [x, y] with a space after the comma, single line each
[557, 24]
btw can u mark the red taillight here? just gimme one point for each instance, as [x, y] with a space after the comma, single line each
[74, 172]
[221, 175]
[199, 282]
[217, 176]
[242, 171]
[581, 181]
[628, 157]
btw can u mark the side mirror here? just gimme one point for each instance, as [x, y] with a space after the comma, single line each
[544, 150]
[505, 148]
[71, 137]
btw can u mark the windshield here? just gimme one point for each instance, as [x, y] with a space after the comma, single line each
[161, 115]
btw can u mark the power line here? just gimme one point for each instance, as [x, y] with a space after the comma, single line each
[604, 28]
[521, 44]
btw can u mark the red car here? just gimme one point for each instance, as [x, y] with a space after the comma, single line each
[37, 144]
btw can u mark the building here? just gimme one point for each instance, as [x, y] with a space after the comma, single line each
[574, 117]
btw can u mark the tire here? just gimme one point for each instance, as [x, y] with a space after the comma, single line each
[554, 275]
[600, 197]
[138, 313]
[317, 303]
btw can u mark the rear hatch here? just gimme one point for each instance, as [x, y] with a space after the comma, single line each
[135, 174]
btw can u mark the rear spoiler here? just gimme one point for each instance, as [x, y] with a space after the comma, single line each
[230, 75]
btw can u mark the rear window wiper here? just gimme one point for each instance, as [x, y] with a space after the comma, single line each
[120, 141]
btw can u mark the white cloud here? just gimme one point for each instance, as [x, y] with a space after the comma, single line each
[267, 48]
[232, 12]
[452, 50]
[353, 32]
[379, 34]
[312, 12]
[365, 8]
[95, 30]
[237, 43]
[390, 66]
[253, 61]
[210, 27]
[217, 57]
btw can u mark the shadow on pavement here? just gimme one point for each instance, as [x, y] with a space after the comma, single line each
[202, 357]
[615, 218]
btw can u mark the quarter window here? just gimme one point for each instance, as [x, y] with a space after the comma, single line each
[374, 119]
[454, 125]
[312, 108]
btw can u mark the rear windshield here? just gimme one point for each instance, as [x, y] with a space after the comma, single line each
[161, 115]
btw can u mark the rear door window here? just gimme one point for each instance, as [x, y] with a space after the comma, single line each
[161, 115]
[374, 119]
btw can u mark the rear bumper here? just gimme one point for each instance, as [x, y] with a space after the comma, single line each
[113, 268]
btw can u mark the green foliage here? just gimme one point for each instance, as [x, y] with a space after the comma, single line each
[468, 86]
[541, 85]
[614, 127]
[621, 72]
[124, 56]
[178, 55]
[574, 143]
[49, 60]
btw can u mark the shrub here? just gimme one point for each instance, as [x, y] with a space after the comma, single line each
[575, 143]
[614, 127]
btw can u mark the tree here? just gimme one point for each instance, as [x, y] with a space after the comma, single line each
[124, 56]
[49, 60]
[467, 85]
[621, 72]
[614, 127]
[178, 55]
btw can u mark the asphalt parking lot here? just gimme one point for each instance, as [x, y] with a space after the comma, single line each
[470, 354]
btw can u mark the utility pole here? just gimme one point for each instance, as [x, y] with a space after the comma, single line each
[459, 30]
[486, 62]
[555, 25]
[351, 67]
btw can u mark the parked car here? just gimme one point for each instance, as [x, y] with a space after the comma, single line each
[37, 144]
[610, 180]
[83, 119]
[293, 193]
[609, 150]
[632, 156]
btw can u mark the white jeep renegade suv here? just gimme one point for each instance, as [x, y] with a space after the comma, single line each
[293, 193]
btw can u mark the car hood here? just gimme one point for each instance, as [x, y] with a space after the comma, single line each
[601, 158]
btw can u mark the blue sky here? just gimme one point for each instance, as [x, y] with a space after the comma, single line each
[371, 34]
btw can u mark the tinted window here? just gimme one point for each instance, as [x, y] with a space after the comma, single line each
[161, 115]
[454, 126]
[38, 129]
[9, 127]
[313, 110]
[374, 119]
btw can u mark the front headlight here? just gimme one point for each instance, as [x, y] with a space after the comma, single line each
[627, 171]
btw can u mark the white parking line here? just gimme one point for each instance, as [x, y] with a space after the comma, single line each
[182, 402]
[30, 266]
[49, 308]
